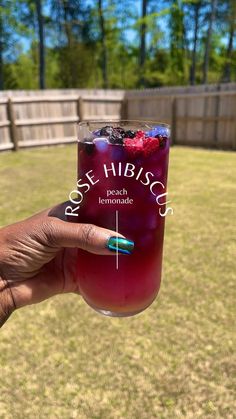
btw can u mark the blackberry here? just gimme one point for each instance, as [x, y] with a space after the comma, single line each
[106, 131]
[129, 134]
[119, 132]
[162, 140]
[89, 148]
[116, 139]
[115, 135]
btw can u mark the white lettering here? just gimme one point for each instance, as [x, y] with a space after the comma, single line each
[77, 193]
[160, 196]
[147, 178]
[108, 170]
[156, 183]
[90, 178]
[71, 211]
[168, 209]
[129, 168]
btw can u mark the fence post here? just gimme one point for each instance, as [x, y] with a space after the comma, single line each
[173, 121]
[80, 108]
[216, 124]
[13, 127]
[124, 109]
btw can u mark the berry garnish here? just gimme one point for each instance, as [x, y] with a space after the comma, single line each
[150, 145]
[140, 134]
[141, 145]
[135, 142]
[119, 131]
[115, 135]
[129, 134]
[116, 138]
[134, 146]
[89, 148]
[106, 131]
[162, 140]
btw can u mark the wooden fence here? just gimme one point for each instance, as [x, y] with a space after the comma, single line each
[200, 115]
[37, 120]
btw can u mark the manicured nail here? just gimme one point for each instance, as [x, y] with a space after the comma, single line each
[121, 245]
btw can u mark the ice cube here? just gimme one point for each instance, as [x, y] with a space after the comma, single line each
[158, 130]
[101, 144]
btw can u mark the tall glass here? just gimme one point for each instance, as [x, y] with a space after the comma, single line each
[125, 192]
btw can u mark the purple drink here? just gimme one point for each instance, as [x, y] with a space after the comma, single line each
[122, 176]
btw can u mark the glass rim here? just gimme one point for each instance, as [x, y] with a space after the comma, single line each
[122, 121]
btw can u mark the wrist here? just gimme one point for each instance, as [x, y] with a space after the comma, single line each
[7, 305]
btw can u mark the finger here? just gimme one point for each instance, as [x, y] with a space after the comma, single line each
[86, 236]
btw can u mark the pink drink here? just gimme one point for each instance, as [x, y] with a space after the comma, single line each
[122, 197]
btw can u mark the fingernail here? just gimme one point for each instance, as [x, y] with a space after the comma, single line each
[121, 245]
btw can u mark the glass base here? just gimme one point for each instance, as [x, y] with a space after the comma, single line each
[116, 314]
[109, 313]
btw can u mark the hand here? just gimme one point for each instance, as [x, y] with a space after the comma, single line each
[38, 257]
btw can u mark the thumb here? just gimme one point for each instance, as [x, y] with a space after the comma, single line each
[87, 237]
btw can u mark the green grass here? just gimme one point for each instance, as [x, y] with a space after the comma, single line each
[176, 360]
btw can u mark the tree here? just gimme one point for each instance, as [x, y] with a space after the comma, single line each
[196, 6]
[103, 43]
[74, 46]
[41, 44]
[229, 52]
[208, 41]
[8, 28]
[1, 47]
[143, 41]
[177, 42]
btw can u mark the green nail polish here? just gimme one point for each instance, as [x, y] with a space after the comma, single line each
[121, 245]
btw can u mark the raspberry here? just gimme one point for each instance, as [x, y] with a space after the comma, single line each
[140, 134]
[150, 145]
[134, 146]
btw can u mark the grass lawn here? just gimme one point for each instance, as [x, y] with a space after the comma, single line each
[176, 360]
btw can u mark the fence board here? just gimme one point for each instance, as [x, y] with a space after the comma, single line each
[53, 141]
[46, 121]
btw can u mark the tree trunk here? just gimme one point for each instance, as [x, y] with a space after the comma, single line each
[143, 43]
[193, 64]
[208, 41]
[67, 24]
[103, 41]
[41, 45]
[227, 69]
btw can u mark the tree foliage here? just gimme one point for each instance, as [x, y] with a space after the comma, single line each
[116, 43]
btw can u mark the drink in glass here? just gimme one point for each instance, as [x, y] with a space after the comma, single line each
[122, 176]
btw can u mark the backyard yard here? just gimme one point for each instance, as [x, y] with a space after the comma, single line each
[62, 360]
